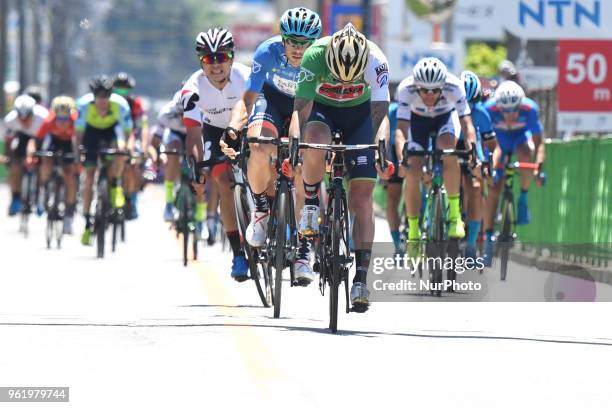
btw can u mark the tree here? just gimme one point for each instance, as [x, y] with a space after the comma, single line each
[483, 60]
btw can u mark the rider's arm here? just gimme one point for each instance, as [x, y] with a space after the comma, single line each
[194, 143]
[301, 111]
[192, 119]
[468, 130]
[242, 109]
[401, 136]
[537, 130]
[380, 120]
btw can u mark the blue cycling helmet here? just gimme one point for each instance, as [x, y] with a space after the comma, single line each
[301, 22]
[472, 85]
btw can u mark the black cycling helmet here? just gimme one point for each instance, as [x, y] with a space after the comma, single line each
[101, 84]
[124, 80]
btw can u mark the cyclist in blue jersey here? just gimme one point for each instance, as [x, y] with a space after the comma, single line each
[484, 135]
[394, 185]
[518, 131]
[269, 101]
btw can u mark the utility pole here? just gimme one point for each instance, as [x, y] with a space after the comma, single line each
[23, 80]
[3, 53]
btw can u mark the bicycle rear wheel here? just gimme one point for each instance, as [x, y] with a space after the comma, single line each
[505, 238]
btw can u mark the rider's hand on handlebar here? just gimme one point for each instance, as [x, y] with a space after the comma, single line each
[230, 142]
[387, 173]
[198, 185]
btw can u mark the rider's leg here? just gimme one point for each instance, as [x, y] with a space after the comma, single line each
[313, 170]
[452, 181]
[171, 174]
[361, 206]
[490, 208]
[394, 194]
[46, 166]
[412, 196]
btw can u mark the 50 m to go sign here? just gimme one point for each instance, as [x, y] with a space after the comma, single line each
[593, 67]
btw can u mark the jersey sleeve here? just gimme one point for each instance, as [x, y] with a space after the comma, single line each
[190, 95]
[10, 121]
[482, 121]
[461, 103]
[403, 100]
[310, 71]
[82, 106]
[259, 69]
[533, 120]
[125, 115]
[377, 75]
[45, 128]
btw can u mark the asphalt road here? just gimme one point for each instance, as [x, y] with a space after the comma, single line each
[139, 329]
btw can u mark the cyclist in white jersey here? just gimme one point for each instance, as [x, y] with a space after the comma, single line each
[208, 97]
[22, 125]
[432, 101]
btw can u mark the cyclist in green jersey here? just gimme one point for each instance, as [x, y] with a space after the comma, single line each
[343, 86]
[104, 120]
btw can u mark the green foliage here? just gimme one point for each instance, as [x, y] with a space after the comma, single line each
[483, 60]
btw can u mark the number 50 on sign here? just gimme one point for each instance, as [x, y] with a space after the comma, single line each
[585, 85]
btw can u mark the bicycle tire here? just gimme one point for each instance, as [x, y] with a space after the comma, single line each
[436, 244]
[336, 233]
[184, 227]
[194, 244]
[280, 233]
[49, 233]
[505, 238]
[102, 207]
[114, 236]
[242, 215]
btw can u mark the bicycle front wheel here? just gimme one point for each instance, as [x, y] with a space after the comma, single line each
[505, 238]
[336, 265]
[280, 238]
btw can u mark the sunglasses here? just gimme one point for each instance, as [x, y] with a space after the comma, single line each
[436, 91]
[294, 42]
[102, 94]
[217, 58]
[510, 110]
[63, 118]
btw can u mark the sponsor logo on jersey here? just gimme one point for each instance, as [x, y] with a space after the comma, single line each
[189, 100]
[382, 74]
[305, 75]
[362, 160]
[256, 67]
[286, 86]
[339, 92]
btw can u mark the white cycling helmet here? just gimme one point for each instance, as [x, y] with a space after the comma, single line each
[216, 39]
[429, 73]
[509, 95]
[24, 105]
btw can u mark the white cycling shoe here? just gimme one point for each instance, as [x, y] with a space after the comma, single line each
[360, 297]
[257, 229]
[303, 272]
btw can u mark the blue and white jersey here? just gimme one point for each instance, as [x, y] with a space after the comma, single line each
[270, 66]
[528, 121]
[481, 121]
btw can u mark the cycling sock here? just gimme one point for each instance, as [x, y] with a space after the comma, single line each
[395, 236]
[211, 222]
[304, 249]
[473, 230]
[454, 212]
[234, 239]
[489, 234]
[87, 221]
[261, 202]
[169, 186]
[199, 212]
[134, 197]
[362, 262]
[16, 195]
[311, 194]
[523, 196]
[414, 233]
[116, 182]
